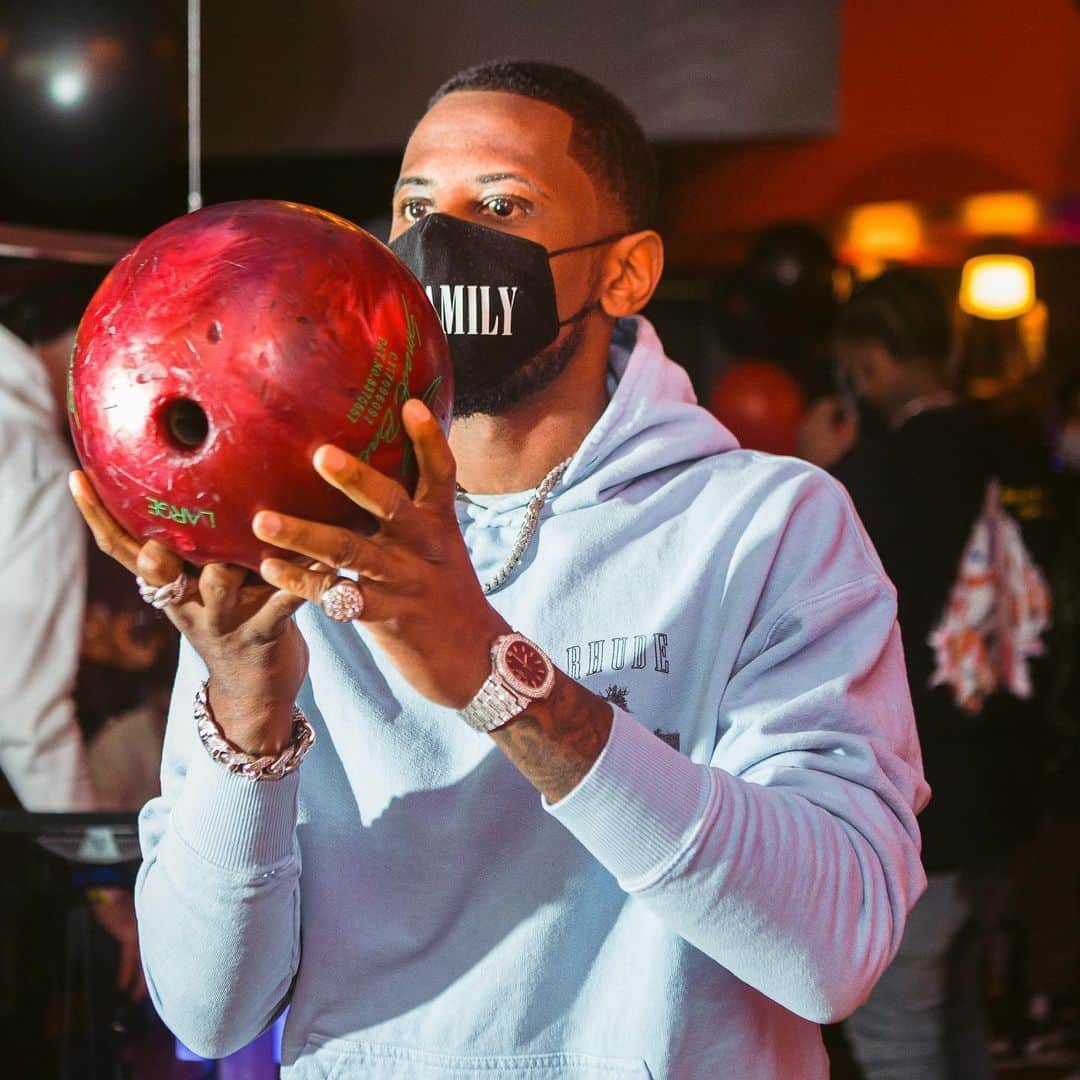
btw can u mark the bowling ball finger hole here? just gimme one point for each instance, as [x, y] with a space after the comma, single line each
[186, 424]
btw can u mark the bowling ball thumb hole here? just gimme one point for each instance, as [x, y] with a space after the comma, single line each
[184, 423]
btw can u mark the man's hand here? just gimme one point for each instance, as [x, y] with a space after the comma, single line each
[114, 910]
[424, 605]
[422, 601]
[244, 632]
[827, 432]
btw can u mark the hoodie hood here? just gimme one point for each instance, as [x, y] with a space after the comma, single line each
[652, 422]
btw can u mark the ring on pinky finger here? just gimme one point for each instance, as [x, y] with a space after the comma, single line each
[161, 596]
[343, 601]
[306, 583]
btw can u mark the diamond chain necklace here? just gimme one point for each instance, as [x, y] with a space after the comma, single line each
[528, 525]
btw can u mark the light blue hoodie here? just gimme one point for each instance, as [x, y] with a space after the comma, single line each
[735, 869]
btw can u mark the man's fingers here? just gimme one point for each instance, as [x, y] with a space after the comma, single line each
[311, 584]
[380, 496]
[267, 623]
[110, 538]
[219, 587]
[298, 582]
[157, 565]
[151, 561]
[328, 544]
[437, 486]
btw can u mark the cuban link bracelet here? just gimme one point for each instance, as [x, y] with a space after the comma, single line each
[251, 766]
[528, 526]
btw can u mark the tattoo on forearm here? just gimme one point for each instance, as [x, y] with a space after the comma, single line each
[556, 742]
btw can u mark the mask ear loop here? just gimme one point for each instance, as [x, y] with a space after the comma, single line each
[595, 305]
[581, 247]
[579, 315]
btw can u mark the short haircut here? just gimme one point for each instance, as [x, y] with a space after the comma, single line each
[901, 310]
[607, 140]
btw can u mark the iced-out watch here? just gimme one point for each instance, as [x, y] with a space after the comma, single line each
[521, 674]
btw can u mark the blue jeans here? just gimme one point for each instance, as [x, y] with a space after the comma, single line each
[923, 1020]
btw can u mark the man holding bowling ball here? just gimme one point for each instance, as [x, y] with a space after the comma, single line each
[610, 766]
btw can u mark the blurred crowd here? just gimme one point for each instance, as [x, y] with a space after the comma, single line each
[957, 438]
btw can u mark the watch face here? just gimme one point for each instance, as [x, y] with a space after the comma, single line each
[526, 668]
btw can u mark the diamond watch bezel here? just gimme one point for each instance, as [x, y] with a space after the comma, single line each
[503, 697]
[499, 653]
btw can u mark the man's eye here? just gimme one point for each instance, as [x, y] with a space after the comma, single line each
[413, 209]
[502, 206]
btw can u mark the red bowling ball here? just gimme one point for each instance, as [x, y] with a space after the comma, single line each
[224, 349]
[761, 404]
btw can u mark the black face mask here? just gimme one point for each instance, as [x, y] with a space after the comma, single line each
[494, 295]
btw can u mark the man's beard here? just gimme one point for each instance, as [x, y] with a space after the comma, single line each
[495, 392]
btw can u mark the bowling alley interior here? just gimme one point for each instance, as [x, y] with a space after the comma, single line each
[870, 219]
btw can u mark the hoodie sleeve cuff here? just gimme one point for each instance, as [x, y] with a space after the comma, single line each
[640, 806]
[241, 825]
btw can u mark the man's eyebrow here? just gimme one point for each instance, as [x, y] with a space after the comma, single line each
[494, 178]
[416, 181]
[487, 178]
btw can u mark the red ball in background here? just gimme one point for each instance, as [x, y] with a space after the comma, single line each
[761, 404]
[224, 349]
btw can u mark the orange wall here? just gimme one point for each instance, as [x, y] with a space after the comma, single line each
[938, 99]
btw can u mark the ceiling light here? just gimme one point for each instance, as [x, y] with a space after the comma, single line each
[997, 286]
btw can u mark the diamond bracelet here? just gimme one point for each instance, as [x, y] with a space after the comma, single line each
[251, 766]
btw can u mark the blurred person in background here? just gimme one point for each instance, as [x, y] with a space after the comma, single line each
[75, 666]
[1064, 690]
[920, 486]
[42, 754]
[1050, 903]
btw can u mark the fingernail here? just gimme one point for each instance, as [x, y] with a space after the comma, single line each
[268, 524]
[74, 486]
[332, 458]
[420, 409]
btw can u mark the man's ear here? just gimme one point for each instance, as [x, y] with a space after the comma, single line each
[631, 273]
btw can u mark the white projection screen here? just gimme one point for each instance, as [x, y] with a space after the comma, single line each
[351, 76]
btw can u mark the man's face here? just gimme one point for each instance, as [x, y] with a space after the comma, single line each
[874, 376]
[503, 161]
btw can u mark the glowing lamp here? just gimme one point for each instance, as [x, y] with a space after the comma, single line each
[885, 231]
[67, 88]
[1001, 213]
[997, 286]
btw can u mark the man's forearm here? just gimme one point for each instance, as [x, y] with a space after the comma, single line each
[218, 896]
[555, 742]
[255, 723]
